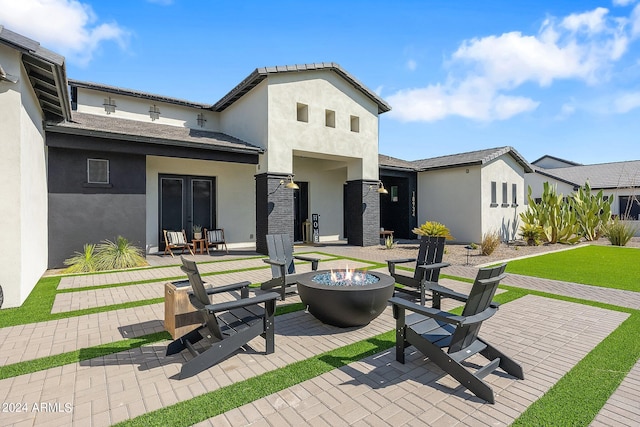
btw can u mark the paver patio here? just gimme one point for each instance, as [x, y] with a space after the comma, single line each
[105, 390]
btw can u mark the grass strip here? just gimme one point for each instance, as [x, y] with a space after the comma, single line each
[76, 356]
[213, 403]
[577, 397]
[604, 266]
[48, 362]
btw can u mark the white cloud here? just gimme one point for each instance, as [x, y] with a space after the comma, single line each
[635, 21]
[411, 65]
[566, 111]
[69, 27]
[581, 46]
[623, 2]
[627, 102]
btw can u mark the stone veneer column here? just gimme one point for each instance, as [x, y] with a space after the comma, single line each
[274, 208]
[363, 213]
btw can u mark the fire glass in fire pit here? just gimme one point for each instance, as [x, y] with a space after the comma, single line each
[345, 298]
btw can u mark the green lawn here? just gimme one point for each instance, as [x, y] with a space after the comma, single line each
[604, 266]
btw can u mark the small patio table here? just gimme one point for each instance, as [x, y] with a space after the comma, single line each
[199, 243]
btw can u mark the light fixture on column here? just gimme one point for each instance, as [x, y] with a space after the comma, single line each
[380, 187]
[291, 185]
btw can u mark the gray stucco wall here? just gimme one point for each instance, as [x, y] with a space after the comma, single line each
[76, 219]
[82, 213]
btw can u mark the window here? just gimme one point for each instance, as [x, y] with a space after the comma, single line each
[355, 124]
[329, 118]
[505, 196]
[494, 194]
[97, 171]
[109, 105]
[303, 112]
[154, 112]
[514, 194]
[394, 193]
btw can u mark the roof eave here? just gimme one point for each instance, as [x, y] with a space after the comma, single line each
[52, 127]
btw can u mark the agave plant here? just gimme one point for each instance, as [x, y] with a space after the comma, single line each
[82, 262]
[433, 228]
[119, 254]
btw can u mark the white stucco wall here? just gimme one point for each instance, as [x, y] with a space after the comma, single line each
[320, 91]
[452, 197]
[246, 119]
[131, 108]
[326, 180]
[235, 193]
[23, 211]
[505, 218]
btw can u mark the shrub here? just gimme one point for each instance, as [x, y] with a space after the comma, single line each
[82, 262]
[118, 254]
[555, 217]
[619, 233]
[433, 228]
[490, 241]
[531, 233]
[389, 243]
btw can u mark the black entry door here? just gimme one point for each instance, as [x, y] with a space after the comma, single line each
[185, 201]
[300, 209]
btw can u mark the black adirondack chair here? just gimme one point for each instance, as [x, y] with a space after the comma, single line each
[227, 325]
[427, 268]
[430, 330]
[281, 259]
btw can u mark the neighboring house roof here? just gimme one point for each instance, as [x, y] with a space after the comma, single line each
[259, 74]
[471, 158]
[558, 159]
[135, 93]
[46, 71]
[600, 176]
[388, 162]
[131, 130]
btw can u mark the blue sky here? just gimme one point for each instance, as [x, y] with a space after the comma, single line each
[546, 77]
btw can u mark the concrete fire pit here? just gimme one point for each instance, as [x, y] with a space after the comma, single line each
[345, 303]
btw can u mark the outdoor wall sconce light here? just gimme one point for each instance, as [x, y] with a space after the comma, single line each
[290, 185]
[380, 187]
[7, 77]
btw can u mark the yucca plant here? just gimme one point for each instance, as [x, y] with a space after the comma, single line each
[433, 228]
[389, 243]
[119, 254]
[592, 211]
[82, 262]
[553, 215]
[618, 232]
[531, 233]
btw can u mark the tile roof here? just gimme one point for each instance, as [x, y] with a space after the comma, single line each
[479, 157]
[259, 74]
[132, 130]
[388, 162]
[603, 175]
[136, 93]
[547, 156]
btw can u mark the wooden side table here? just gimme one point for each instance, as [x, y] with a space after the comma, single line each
[385, 233]
[180, 317]
[199, 244]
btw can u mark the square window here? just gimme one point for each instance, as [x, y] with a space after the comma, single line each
[355, 124]
[302, 112]
[97, 171]
[329, 118]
